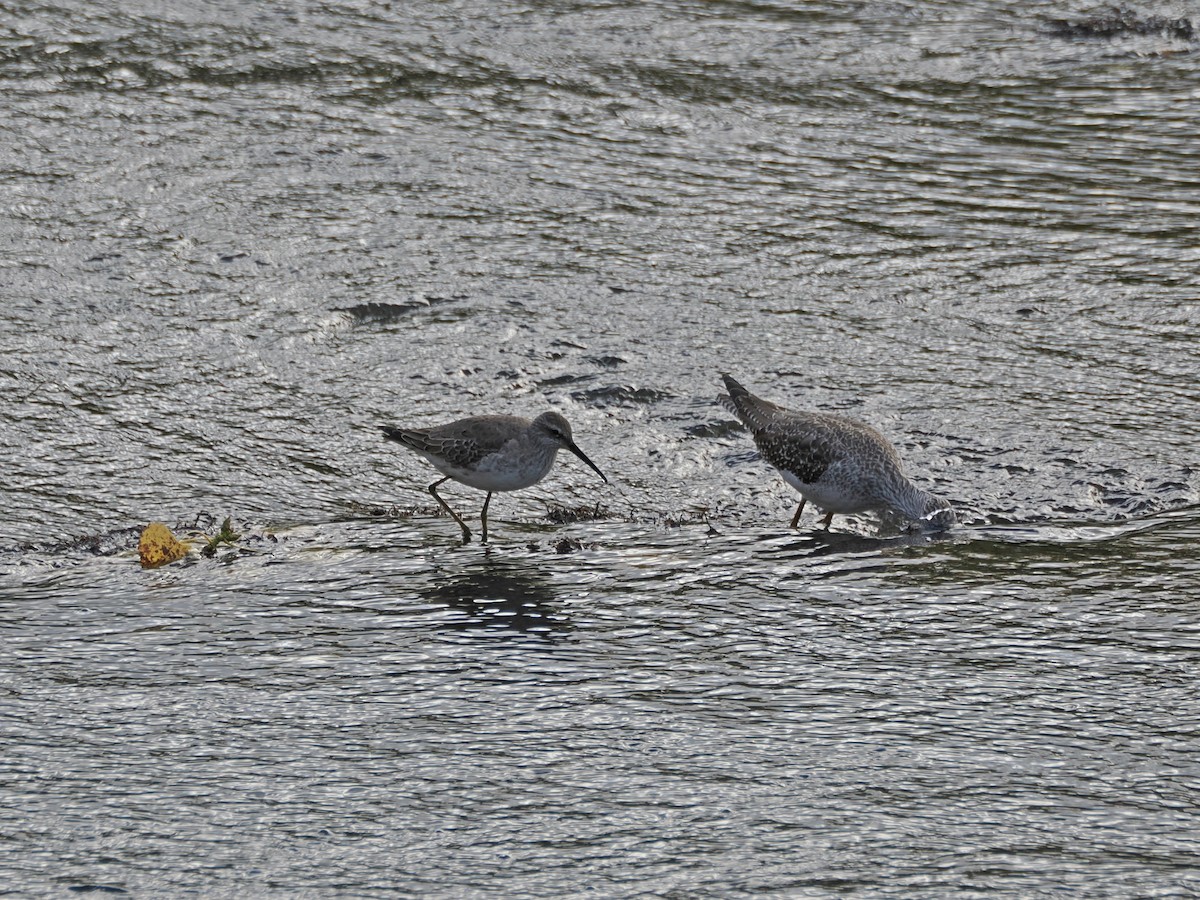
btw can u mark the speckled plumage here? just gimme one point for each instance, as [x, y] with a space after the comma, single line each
[491, 453]
[841, 465]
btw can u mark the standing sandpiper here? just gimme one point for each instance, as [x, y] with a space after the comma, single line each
[491, 453]
[841, 465]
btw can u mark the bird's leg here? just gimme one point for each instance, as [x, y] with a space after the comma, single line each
[799, 509]
[452, 513]
[483, 515]
[828, 521]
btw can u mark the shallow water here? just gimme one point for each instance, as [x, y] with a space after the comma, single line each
[238, 238]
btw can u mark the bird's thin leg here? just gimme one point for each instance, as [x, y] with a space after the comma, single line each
[446, 507]
[483, 515]
[799, 509]
[828, 521]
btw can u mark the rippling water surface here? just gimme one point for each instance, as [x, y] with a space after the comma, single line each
[235, 238]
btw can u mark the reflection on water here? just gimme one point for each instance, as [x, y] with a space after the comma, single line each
[494, 596]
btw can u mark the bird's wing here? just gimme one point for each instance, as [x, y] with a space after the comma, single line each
[461, 444]
[809, 444]
[802, 445]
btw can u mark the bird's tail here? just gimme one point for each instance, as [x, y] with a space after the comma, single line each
[754, 412]
[399, 435]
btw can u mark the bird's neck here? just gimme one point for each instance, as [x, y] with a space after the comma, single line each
[539, 456]
[909, 500]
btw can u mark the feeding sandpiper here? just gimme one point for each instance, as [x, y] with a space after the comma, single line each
[491, 453]
[841, 465]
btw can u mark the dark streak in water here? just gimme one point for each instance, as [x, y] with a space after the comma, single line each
[620, 395]
[1121, 21]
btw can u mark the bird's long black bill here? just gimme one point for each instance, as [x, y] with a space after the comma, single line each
[583, 456]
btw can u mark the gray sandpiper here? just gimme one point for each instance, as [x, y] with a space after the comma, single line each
[841, 465]
[491, 453]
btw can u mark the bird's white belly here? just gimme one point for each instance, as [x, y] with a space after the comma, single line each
[498, 471]
[829, 496]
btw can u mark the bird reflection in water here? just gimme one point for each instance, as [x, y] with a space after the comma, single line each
[500, 597]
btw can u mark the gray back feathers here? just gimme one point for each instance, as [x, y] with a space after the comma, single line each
[807, 444]
[463, 443]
